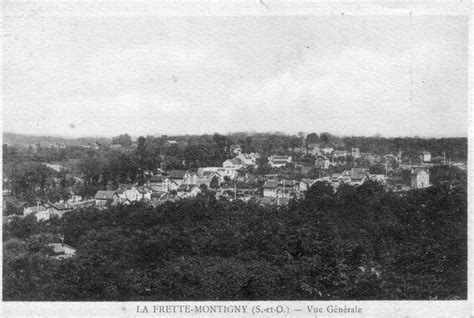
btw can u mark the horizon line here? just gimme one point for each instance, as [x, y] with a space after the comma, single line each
[250, 133]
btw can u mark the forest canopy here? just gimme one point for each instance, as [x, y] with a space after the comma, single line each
[360, 243]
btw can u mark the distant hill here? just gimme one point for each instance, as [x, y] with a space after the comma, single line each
[26, 140]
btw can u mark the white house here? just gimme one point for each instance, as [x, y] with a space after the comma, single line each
[145, 192]
[420, 178]
[327, 150]
[190, 177]
[224, 172]
[62, 250]
[321, 162]
[39, 211]
[234, 163]
[128, 192]
[425, 156]
[339, 154]
[188, 191]
[162, 184]
[305, 184]
[314, 149]
[279, 161]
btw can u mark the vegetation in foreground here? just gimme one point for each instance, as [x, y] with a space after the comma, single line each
[359, 243]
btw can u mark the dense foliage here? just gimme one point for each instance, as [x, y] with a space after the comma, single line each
[359, 243]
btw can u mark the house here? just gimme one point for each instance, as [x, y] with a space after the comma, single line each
[355, 153]
[279, 161]
[160, 183]
[289, 185]
[39, 211]
[154, 196]
[235, 148]
[420, 178]
[313, 149]
[305, 184]
[249, 159]
[104, 198]
[120, 200]
[169, 143]
[128, 192]
[363, 171]
[357, 178]
[177, 176]
[272, 189]
[335, 178]
[74, 198]
[145, 192]
[190, 177]
[188, 191]
[234, 163]
[358, 175]
[209, 178]
[327, 150]
[380, 178]
[326, 179]
[91, 145]
[82, 204]
[280, 202]
[223, 172]
[339, 154]
[58, 209]
[425, 156]
[61, 251]
[55, 167]
[321, 162]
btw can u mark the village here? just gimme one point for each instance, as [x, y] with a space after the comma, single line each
[238, 178]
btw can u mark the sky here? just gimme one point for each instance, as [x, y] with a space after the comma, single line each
[347, 75]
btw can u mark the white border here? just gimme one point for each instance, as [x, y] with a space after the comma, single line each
[140, 8]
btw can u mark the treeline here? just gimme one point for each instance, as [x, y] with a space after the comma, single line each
[211, 149]
[359, 243]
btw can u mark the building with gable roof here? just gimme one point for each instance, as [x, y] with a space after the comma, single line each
[425, 156]
[234, 163]
[420, 178]
[128, 192]
[272, 189]
[321, 162]
[104, 198]
[61, 251]
[188, 191]
[279, 161]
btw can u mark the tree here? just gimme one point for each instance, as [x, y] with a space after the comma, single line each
[312, 138]
[214, 184]
[123, 140]
[324, 137]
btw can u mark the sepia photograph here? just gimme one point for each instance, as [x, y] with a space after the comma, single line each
[237, 157]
